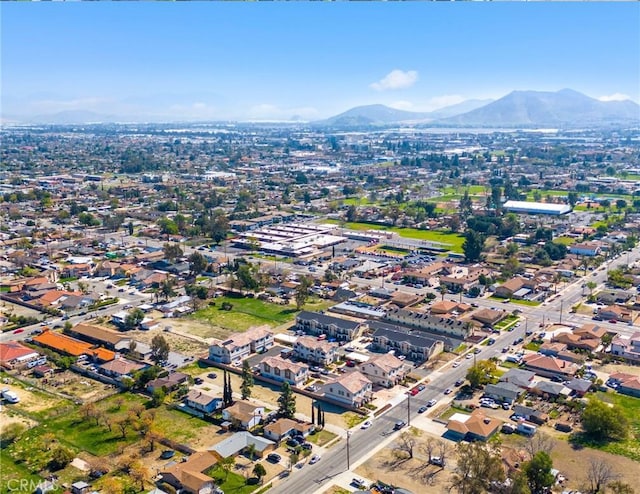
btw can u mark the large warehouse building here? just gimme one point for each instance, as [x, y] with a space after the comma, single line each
[536, 207]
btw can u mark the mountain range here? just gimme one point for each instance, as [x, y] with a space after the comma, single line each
[519, 109]
[564, 108]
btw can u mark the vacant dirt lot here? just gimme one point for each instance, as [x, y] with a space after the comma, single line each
[177, 343]
[573, 463]
[415, 474]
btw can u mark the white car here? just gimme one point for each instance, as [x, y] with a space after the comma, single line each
[456, 364]
[366, 424]
[314, 459]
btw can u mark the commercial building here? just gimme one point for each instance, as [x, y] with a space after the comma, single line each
[526, 207]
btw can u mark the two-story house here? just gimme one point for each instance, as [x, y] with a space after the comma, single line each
[244, 414]
[415, 345]
[385, 370]
[627, 347]
[316, 351]
[352, 388]
[283, 370]
[241, 345]
[333, 327]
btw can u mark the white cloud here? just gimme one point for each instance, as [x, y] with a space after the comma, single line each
[614, 97]
[51, 105]
[402, 105]
[396, 79]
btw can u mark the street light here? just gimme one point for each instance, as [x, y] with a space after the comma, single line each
[348, 458]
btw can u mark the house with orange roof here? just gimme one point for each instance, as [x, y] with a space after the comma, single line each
[120, 367]
[14, 355]
[549, 366]
[189, 476]
[474, 427]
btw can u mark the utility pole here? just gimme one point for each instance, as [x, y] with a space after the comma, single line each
[408, 408]
[348, 458]
[561, 304]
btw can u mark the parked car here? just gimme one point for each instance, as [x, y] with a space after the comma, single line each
[212, 375]
[167, 453]
[456, 364]
[422, 409]
[198, 380]
[359, 483]
[273, 458]
[314, 459]
[293, 443]
[459, 382]
[421, 387]
[366, 424]
[432, 402]
[447, 391]
[437, 460]
[307, 446]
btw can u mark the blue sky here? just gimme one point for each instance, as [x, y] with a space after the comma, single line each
[275, 60]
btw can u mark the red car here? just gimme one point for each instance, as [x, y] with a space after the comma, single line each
[414, 391]
[19, 330]
[613, 321]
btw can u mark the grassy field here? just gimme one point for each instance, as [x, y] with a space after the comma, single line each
[12, 471]
[564, 241]
[451, 241]
[248, 312]
[529, 303]
[631, 447]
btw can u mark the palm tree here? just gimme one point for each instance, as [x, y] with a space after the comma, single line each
[227, 464]
[443, 290]
[251, 451]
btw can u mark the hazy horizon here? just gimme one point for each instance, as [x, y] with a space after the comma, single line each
[279, 61]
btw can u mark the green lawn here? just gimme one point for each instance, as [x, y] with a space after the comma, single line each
[321, 438]
[530, 303]
[248, 312]
[230, 482]
[451, 241]
[534, 347]
[564, 240]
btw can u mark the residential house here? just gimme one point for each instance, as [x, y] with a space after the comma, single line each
[616, 313]
[100, 336]
[284, 370]
[579, 387]
[552, 349]
[316, 351]
[519, 377]
[241, 345]
[70, 346]
[590, 249]
[627, 347]
[242, 441]
[405, 299]
[121, 367]
[517, 287]
[334, 327]
[352, 388]
[189, 476]
[14, 355]
[203, 402]
[283, 428]
[505, 392]
[474, 427]
[448, 307]
[549, 366]
[169, 383]
[628, 384]
[462, 278]
[611, 297]
[244, 414]
[415, 345]
[550, 389]
[430, 323]
[585, 338]
[489, 317]
[384, 370]
[530, 414]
